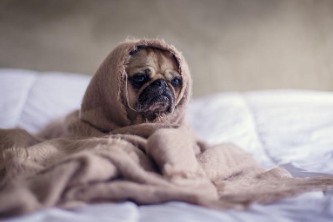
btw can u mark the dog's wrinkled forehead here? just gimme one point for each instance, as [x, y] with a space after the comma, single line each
[154, 61]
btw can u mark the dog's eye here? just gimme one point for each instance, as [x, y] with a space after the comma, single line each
[176, 82]
[138, 80]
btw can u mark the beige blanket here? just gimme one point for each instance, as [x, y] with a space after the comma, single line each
[99, 154]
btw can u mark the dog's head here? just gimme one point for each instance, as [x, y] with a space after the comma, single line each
[154, 82]
[140, 81]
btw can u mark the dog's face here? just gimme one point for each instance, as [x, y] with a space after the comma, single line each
[154, 82]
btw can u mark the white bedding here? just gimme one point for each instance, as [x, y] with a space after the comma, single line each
[290, 128]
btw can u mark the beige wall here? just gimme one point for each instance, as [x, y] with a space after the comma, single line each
[230, 45]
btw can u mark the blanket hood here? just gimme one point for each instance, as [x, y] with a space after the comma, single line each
[105, 100]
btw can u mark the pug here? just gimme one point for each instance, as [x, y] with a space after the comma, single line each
[154, 84]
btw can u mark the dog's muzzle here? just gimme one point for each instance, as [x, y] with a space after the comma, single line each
[156, 98]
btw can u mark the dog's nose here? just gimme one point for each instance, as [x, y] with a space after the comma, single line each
[160, 83]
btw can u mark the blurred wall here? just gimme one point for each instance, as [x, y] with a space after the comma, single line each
[229, 45]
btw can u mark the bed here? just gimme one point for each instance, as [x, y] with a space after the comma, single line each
[289, 128]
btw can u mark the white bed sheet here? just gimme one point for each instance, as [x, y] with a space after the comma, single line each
[290, 128]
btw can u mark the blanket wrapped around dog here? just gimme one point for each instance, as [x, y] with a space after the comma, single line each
[98, 154]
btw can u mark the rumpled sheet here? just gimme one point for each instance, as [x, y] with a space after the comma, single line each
[264, 123]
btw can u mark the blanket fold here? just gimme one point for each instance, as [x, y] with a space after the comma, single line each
[99, 154]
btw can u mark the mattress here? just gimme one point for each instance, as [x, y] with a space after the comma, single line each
[289, 128]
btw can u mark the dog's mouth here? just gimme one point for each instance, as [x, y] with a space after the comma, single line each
[155, 101]
[158, 104]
